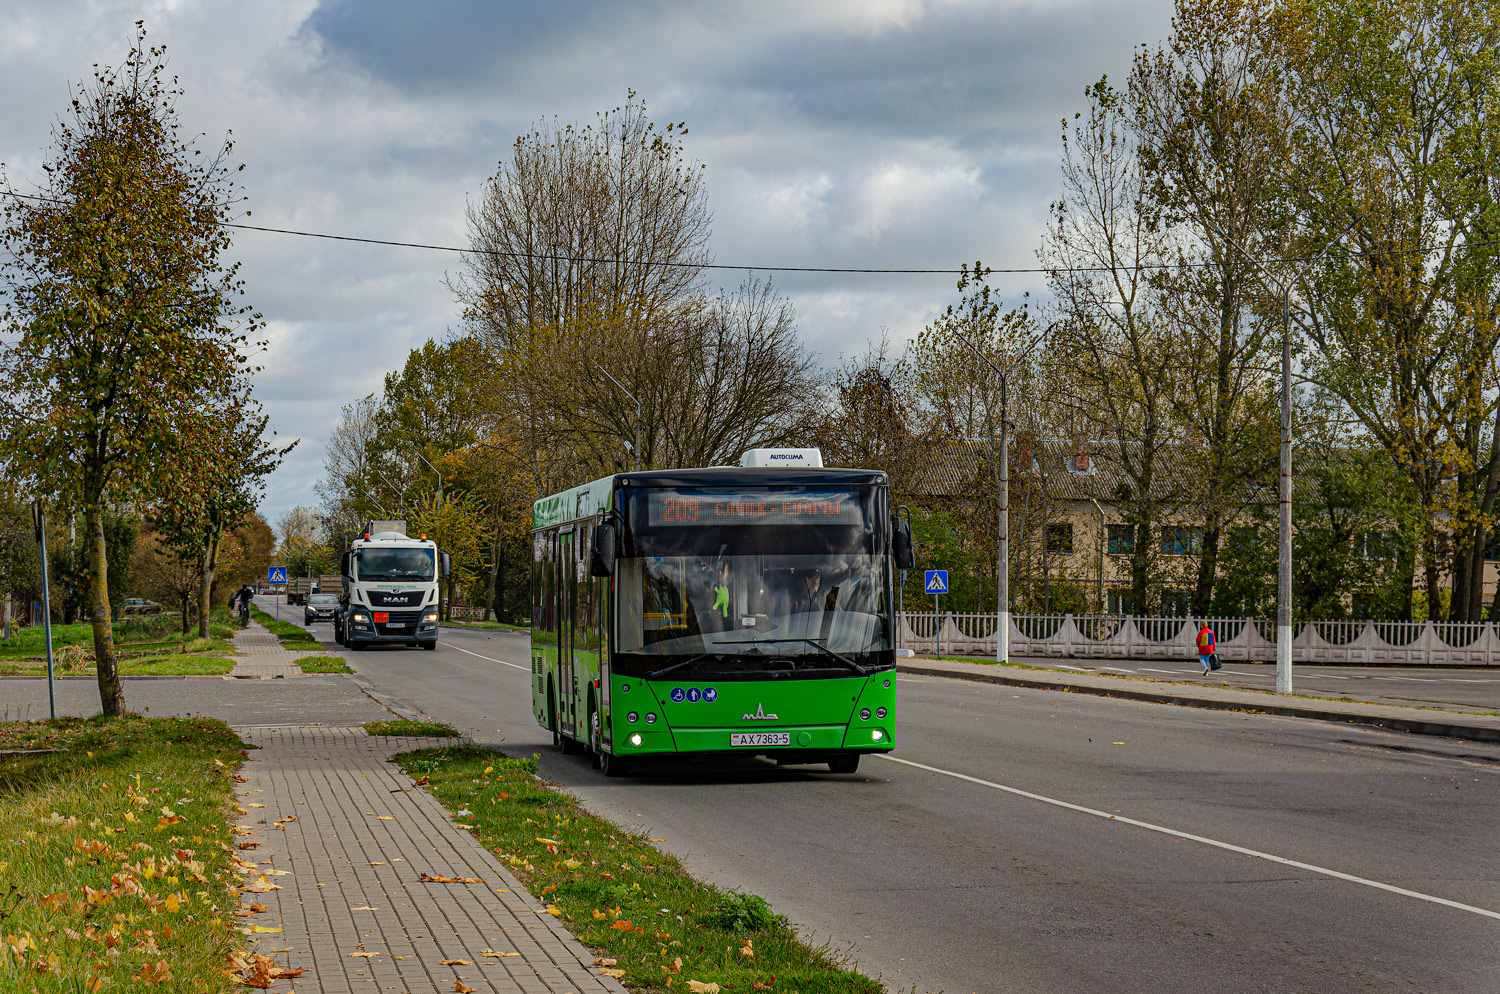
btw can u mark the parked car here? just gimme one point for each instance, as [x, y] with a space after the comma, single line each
[320, 607]
[139, 605]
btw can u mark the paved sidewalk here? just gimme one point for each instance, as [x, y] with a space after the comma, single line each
[352, 907]
[1425, 721]
[261, 655]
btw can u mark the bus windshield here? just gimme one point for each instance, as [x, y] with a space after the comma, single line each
[754, 581]
[396, 564]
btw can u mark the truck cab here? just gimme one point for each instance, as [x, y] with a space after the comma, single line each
[389, 593]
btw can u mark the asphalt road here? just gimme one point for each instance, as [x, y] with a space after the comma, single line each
[1009, 865]
[1464, 689]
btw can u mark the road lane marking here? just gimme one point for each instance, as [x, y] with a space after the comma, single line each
[502, 662]
[1227, 846]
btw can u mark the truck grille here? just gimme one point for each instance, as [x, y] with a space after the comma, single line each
[385, 598]
[399, 623]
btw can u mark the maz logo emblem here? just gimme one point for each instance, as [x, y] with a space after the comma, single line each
[759, 715]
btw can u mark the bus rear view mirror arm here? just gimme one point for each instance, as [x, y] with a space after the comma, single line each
[903, 549]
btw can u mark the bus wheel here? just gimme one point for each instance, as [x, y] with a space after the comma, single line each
[844, 764]
[613, 766]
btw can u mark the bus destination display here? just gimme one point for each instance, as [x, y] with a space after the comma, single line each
[673, 508]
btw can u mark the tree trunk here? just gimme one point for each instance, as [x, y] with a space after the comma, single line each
[185, 613]
[1208, 567]
[489, 603]
[1463, 557]
[111, 695]
[206, 581]
[1430, 574]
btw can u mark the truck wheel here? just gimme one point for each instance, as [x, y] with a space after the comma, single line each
[844, 764]
[430, 645]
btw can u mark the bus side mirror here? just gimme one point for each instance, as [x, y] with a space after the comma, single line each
[602, 556]
[903, 547]
[447, 564]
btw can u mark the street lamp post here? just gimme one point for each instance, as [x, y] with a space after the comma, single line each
[435, 470]
[1284, 633]
[1002, 632]
[635, 448]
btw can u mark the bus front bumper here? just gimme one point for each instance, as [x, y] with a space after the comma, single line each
[814, 741]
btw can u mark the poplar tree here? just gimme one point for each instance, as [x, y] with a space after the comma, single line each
[122, 318]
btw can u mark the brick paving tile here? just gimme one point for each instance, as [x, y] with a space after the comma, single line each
[261, 655]
[350, 878]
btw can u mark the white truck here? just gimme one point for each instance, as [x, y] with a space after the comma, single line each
[390, 592]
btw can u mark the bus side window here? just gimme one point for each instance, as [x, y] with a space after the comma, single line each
[538, 553]
[583, 608]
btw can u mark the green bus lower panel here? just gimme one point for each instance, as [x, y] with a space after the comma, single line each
[807, 738]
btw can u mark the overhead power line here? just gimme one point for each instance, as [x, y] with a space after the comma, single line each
[870, 270]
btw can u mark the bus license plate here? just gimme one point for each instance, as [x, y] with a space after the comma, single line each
[760, 738]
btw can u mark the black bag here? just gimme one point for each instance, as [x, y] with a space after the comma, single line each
[1213, 661]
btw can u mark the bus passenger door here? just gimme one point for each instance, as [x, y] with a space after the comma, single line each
[567, 612]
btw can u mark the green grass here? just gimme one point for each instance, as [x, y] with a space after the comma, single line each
[284, 630]
[619, 894]
[403, 726]
[116, 853]
[323, 664]
[496, 625]
[198, 657]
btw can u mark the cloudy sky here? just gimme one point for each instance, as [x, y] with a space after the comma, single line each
[850, 133]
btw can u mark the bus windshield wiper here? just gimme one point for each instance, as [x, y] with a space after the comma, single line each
[843, 659]
[677, 666]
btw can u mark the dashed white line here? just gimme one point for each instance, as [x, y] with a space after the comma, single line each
[502, 662]
[1227, 846]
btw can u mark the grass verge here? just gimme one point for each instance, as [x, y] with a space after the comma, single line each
[655, 927]
[323, 664]
[403, 726]
[117, 864]
[198, 657]
[284, 630]
[493, 625]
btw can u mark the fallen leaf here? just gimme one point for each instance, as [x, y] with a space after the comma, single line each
[381, 863]
[363, 955]
[158, 973]
[265, 928]
[440, 879]
[385, 817]
[456, 962]
[462, 987]
[364, 907]
[494, 955]
[611, 972]
[748, 949]
[699, 987]
[419, 782]
[605, 961]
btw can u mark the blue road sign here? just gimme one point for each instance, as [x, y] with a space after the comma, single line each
[276, 574]
[935, 581]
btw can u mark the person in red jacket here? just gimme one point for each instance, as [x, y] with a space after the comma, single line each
[1206, 647]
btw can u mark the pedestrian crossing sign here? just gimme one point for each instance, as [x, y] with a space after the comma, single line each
[276, 574]
[936, 582]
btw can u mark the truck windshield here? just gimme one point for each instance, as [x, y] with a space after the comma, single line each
[755, 582]
[396, 564]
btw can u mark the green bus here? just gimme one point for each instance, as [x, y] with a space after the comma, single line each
[727, 611]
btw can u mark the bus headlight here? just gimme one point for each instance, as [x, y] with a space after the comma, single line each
[635, 739]
[877, 735]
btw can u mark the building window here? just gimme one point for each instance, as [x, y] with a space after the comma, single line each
[1181, 540]
[1121, 540]
[1121, 601]
[1174, 603]
[1381, 545]
[1060, 540]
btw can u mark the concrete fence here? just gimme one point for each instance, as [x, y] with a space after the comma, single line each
[1104, 637]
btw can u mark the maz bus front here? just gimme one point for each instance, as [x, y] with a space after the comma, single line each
[729, 611]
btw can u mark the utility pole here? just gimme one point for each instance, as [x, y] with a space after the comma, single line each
[1002, 632]
[1284, 629]
[39, 518]
[635, 448]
